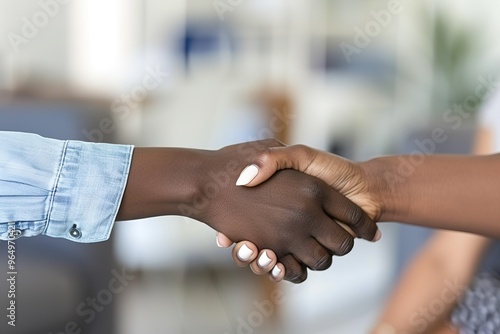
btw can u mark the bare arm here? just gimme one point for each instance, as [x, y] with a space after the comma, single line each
[451, 192]
[447, 255]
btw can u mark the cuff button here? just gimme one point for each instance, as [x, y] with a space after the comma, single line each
[15, 234]
[75, 232]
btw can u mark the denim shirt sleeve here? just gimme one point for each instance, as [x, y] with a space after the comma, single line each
[62, 189]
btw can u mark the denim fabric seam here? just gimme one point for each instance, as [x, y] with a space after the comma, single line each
[56, 183]
[122, 189]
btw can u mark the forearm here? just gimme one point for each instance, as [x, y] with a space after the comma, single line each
[449, 192]
[161, 181]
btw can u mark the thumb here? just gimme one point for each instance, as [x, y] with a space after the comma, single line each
[273, 159]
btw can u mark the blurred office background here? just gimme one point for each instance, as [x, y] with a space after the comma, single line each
[337, 77]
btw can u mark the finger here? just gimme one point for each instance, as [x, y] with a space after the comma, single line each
[223, 241]
[264, 263]
[244, 253]
[348, 229]
[341, 208]
[278, 273]
[296, 272]
[334, 238]
[267, 162]
[314, 255]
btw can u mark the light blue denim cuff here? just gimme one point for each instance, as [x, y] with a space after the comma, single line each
[88, 191]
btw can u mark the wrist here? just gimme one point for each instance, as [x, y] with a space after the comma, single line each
[197, 188]
[385, 187]
[162, 182]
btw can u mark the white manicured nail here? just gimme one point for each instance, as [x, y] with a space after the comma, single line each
[264, 260]
[276, 271]
[244, 253]
[217, 241]
[247, 175]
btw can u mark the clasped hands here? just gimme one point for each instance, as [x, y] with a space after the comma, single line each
[297, 205]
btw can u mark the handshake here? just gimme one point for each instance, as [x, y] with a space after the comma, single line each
[301, 220]
[300, 206]
[311, 206]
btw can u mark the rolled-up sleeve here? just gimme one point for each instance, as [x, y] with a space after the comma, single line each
[63, 189]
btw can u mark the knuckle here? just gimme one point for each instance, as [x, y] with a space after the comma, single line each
[313, 190]
[303, 150]
[269, 143]
[356, 216]
[322, 263]
[300, 215]
[321, 259]
[265, 156]
[298, 277]
[346, 246]
[303, 214]
[275, 142]
[295, 273]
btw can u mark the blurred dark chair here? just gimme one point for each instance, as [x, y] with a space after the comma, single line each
[55, 275]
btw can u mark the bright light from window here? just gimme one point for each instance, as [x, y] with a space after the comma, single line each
[102, 38]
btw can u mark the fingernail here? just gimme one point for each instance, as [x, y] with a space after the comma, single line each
[276, 271]
[378, 236]
[247, 175]
[264, 260]
[244, 253]
[217, 240]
